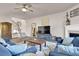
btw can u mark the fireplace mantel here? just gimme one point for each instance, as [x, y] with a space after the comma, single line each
[71, 29]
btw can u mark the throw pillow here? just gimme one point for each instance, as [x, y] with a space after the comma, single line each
[67, 41]
[51, 45]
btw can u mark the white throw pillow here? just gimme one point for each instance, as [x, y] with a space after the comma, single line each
[67, 41]
[51, 45]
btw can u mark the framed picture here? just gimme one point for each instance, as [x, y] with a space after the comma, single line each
[74, 12]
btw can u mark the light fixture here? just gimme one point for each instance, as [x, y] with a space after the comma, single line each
[24, 9]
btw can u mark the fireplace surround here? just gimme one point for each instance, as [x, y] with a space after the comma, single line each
[72, 30]
[73, 34]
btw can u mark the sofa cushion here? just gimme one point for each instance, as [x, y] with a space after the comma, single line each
[75, 42]
[68, 50]
[8, 41]
[4, 51]
[2, 41]
[17, 49]
[67, 41]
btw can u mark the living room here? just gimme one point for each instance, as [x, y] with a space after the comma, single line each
[41, 30]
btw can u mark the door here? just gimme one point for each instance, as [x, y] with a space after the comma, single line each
[6, 30]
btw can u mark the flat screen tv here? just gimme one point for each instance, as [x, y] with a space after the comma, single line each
[44, 29]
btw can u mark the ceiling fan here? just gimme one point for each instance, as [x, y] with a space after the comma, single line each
[25, 7]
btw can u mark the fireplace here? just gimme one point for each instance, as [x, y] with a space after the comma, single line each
[73, 34]
[72, 30]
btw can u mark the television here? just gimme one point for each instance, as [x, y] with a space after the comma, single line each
[44, 29]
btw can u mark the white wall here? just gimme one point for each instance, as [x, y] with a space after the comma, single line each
[29, 23]
[56, 21]
[57, 24]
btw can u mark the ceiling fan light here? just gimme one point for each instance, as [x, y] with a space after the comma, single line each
[24, 9]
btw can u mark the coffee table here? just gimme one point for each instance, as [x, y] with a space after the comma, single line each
[37, 41]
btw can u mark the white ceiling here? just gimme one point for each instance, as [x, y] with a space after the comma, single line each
[40, 9]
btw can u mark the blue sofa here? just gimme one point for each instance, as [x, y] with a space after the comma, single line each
[8, 48]
[67, 50]
[62, 50]
[6, 52]
[56, 53]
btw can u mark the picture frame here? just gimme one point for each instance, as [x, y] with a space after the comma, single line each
[74, 12]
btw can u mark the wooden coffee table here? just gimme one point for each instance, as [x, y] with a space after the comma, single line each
[37, 41]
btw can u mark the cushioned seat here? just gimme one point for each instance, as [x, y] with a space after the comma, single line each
[8, 40]
[62, 50]
[4, 51]
[75, 42]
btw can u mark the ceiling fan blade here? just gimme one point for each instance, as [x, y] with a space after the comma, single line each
[18, 7]
[29, 9]
[28, 6]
